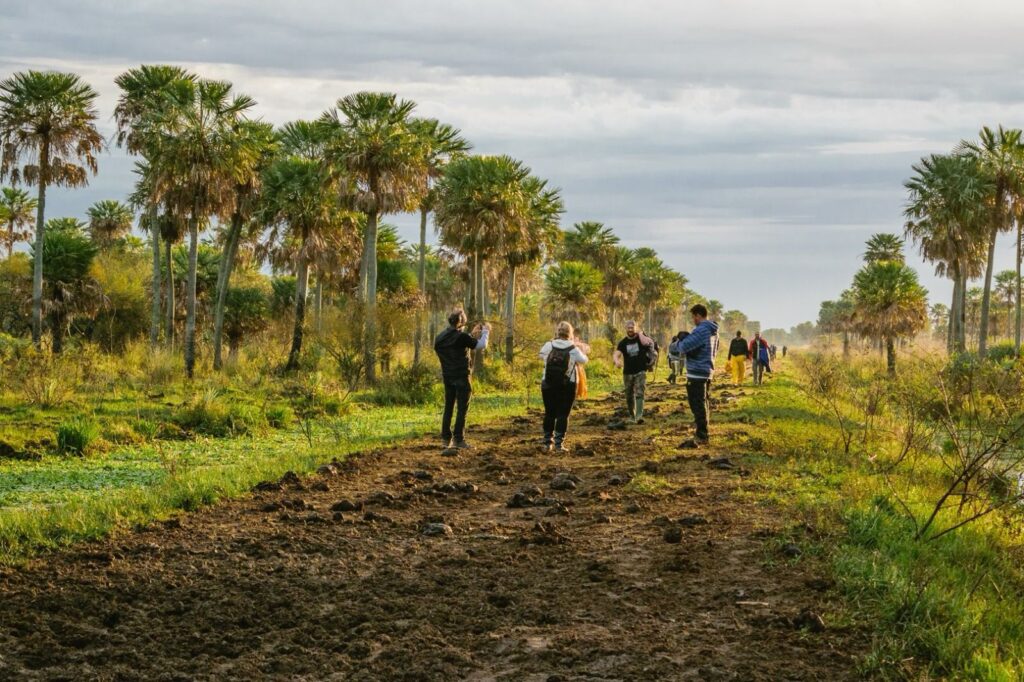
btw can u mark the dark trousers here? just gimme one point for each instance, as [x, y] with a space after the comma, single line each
[697, 396]
[558, 401]
[456, 394]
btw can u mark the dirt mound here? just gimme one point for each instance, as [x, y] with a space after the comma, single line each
[417, 567]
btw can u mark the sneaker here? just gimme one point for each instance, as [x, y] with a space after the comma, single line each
[462, 445]
[561, 448]
[640, 420]
[447, 443]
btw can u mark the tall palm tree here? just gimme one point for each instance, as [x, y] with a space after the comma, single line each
[48, 135]
[889, 304]
[621, 281]
[589, 242]
[16, 209]
[527, 245]
[1001, 153]
[68, 256]
[197, 159]
[884, 246]
[374, 142]
[109, 220]
[440, 143]
[144, 92]
[1005, 288]
[257, 138]
[300, 204]
[947, 216]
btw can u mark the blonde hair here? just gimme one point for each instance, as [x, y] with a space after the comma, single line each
[564, 330]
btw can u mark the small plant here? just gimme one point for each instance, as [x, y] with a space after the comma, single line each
[75, 436]
[280, 416]
[412, 385]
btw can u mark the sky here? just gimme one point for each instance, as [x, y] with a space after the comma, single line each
[756, 145]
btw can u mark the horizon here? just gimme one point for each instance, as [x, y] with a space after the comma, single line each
[758, 178]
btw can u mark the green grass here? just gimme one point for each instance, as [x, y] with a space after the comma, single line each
[952, 608]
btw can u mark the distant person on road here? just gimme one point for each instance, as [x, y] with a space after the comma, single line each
[737, 362]
[700, 348]
[785, 349]
[581, 373]
[633, 355]
[453, 347]
[772, 350]
[676, 358]
[760, 358]
[563, 361]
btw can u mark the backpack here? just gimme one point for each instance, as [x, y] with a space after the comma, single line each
[556, 369]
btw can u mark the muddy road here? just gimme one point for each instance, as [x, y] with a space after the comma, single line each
[624, 559]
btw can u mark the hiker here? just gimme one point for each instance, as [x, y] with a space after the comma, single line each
[635, 355]
[772, 350]
[785, 350]
[676, 359]
[453, 347]
[581, 373]
[760, 360]
[738, 354]
[700, 348]
[563, 360]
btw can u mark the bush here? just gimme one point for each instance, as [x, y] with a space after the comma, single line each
[122, 433]
[209, 416]
[407, 385]
[1003, 353]
[75, 436]
[280, 416]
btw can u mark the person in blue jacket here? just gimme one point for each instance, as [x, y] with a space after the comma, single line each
[700, 348]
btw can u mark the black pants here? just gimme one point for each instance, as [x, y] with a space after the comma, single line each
[558, 401]
[697, 396]
[456, 393]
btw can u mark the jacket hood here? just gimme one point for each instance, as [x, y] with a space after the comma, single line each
[561, 343]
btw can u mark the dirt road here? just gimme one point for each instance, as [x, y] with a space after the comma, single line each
[626, 559]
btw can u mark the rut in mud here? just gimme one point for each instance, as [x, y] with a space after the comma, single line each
[501, 563]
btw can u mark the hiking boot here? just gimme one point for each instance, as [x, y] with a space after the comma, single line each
[640, 421]
[560, 447]
[462, 445]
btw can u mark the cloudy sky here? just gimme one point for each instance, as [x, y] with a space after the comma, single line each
[754, 144]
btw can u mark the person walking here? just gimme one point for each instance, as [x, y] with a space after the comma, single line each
[676, 359]
[633, 356]
[700, 348]
[785, 349]
[563, 360]
[737, 362]
[759, 358]
[453, 347]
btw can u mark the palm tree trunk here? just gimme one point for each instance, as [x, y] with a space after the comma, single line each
[227, 263]
[510, 314]
[318, 302]
[422, 275]
[154, 237]
[37, 269]
[890, 356]
[846, 344]
[989, 266]
[301, 285]
[370, 339]
[169, 333]
[1017, 319]
[953, 332]
[190, 296]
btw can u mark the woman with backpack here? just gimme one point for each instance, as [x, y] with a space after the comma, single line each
[561, 358]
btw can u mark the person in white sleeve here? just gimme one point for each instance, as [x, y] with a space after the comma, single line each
[561, 359]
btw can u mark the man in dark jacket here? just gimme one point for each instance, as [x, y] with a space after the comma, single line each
[453, 347]
[738, 358]
[700, 348]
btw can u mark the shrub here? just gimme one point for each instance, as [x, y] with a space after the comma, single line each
[280, 416]
[209, 416]
[75, 436]
[1003, 353]
[408, 385]
[122, 433]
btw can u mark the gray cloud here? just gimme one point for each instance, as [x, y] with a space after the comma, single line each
[755, 145]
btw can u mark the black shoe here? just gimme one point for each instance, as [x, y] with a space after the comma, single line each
[560, 447]
[640, 420]
[462, 445]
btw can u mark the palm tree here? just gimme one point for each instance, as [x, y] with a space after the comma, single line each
[258, 140]
[1001, 153]
[527, 245]
[889, 304]
[440, 143]
[145, 91]
[884, 246]
[48, 135]
[197, 160]
[573, 291]
[589, 242]
[374, 142]
[300, 204]
[16, 209]
[67, 259]
[947, 217]
[109, 220]
[1006, 283]
[621, 281]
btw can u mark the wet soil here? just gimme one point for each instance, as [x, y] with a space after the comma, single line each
[500, 563]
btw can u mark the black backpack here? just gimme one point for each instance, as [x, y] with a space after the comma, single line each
[556, 369]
